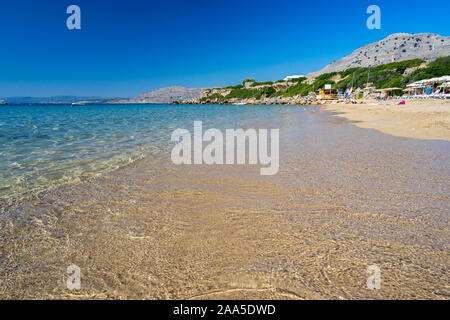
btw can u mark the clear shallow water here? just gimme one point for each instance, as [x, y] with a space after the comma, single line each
[345, 198]
[44, 146]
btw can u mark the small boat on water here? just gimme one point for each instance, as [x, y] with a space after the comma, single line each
[77, 104]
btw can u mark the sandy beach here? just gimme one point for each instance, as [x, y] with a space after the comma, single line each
[345, 199]
[420, 119]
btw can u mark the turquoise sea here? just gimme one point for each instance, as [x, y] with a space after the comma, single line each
[47, 145]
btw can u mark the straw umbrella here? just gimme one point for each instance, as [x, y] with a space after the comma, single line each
[391, 89]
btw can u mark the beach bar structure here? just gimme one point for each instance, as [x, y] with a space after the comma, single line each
[327, 94]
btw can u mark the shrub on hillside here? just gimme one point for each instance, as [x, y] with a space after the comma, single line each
[438, 68]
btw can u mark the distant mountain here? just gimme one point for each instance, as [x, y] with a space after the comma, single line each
[164, 95]
[397, 47]
[51, 100]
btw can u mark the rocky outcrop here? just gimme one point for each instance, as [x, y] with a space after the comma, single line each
[278, 100]
[397, 47]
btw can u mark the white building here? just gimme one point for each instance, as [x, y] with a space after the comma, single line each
[293, 77]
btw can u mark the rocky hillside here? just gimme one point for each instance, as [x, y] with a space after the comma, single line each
[361, 80]
[398, 46]
[165, 95]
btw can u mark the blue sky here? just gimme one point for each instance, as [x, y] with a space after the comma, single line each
[128, 47]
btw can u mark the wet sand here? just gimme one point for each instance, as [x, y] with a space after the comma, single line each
[345, 198]
[420, 119]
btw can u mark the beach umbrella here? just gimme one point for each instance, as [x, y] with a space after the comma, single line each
[444, 79]
[411, 89]
[436, 79]
[391, 89]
